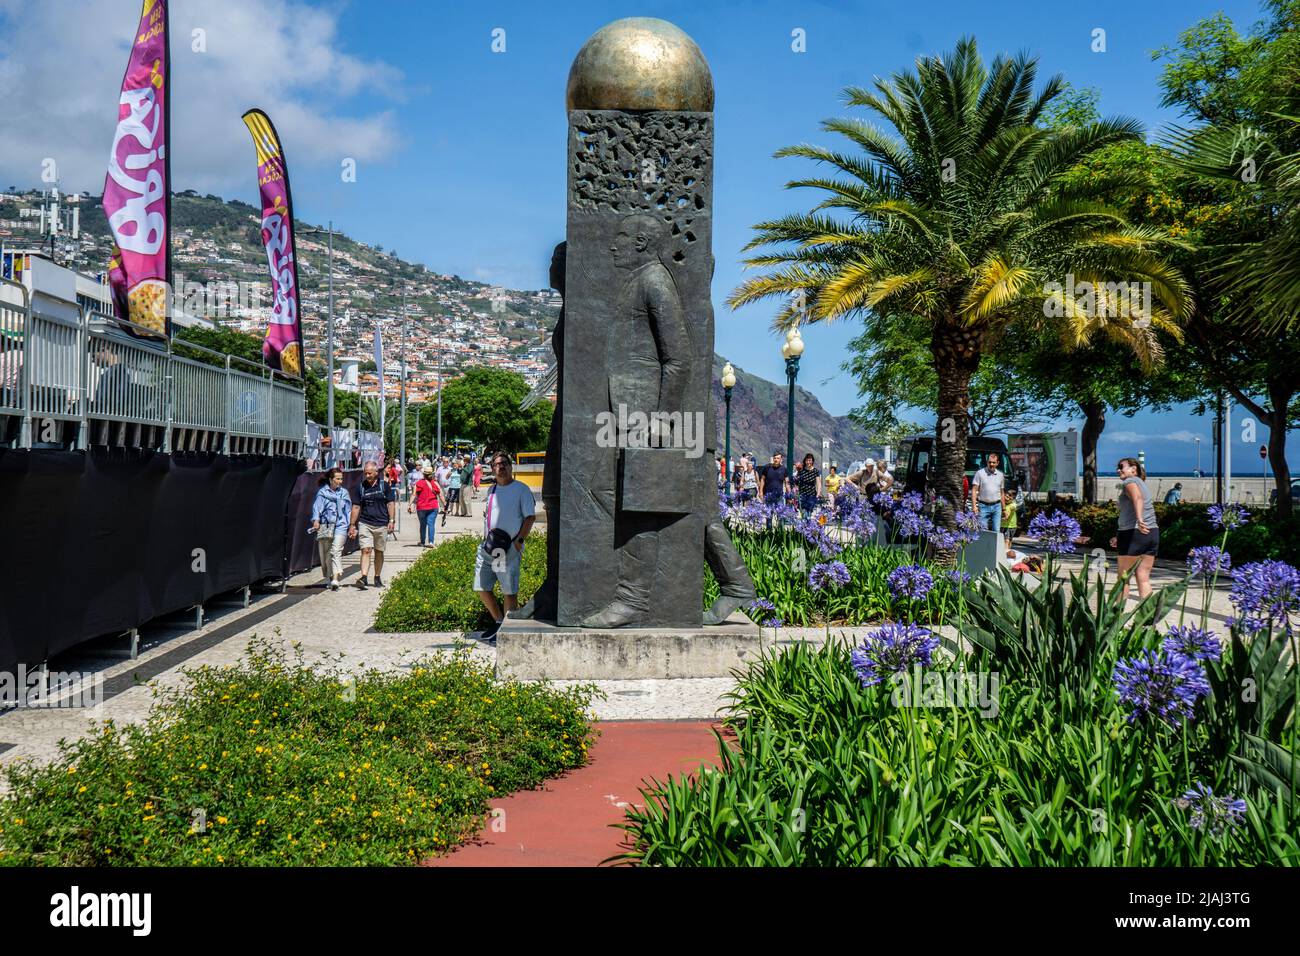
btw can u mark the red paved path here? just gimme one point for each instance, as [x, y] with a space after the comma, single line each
[567, 822]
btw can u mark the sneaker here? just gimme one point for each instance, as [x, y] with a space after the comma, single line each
[361, 584]
[379, 582]
[334, 585]
[490, 632]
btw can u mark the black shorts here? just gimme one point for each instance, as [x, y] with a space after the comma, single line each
[1133, 543]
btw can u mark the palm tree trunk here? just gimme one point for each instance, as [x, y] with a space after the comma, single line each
[1094, 421]
[956, 351]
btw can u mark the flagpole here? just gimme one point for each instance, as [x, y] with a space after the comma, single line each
[167, 158]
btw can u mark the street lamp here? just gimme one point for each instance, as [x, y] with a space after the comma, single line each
[1197, 439]
[401, 455]
[728, 383]
[790, 351]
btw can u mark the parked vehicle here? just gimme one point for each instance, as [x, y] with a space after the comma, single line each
[916, 455]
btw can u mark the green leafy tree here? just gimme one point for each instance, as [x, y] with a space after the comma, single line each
[483, 405]
[1240, 92]
[960, 218]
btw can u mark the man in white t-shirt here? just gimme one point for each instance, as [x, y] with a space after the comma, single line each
[986, 493]
[508, 516]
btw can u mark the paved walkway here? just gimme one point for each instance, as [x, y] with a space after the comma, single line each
[571, 820]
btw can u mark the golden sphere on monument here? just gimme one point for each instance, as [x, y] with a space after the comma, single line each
[640, 63]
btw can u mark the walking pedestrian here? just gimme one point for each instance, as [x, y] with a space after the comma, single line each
[808, 481]
[773, 482]
[748, 479]
[330, 511]
[478, 476]
[466, 485]
[453, 491]
[374, 514]
[1010, 518]
[986, 493]
[427, 493]
[508, 516]
[1138, 540]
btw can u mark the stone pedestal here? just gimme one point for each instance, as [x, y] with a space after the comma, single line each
[534, 650]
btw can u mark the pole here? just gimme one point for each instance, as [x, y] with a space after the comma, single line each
[438, 450]
[401, 455]
[726, 452]
[791, 372]
[329, 340]
[1227, 448]
[1218, 451]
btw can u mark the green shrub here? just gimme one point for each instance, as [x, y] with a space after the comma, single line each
[1185, 526]
[830, 773]
[436, 593]
[275, 763]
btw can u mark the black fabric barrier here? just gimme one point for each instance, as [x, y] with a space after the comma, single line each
[100, 543]
[303, 554]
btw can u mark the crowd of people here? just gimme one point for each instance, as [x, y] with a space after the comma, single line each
[805, 486]
[450, 484]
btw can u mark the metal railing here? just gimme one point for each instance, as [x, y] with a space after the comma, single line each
[55, 370]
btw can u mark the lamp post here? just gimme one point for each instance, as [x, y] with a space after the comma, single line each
[1197, 439]
[438, 451]
[728, 383]
[790, 351]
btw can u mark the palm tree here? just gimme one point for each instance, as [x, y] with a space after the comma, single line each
[1259, 273]
[961, 217]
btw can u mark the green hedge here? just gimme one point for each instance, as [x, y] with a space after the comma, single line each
[436, 593]
[272, 762]
[1187, 526]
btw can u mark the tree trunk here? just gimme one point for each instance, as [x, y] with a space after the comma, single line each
[1094, 421]
[1279, 396]
[956, 352]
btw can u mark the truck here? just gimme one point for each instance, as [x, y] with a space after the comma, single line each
[916, 457]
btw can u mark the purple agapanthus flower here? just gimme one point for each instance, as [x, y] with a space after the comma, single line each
[1192, 642]
[1228, 516]
[957, 576]
[1055, 531]
[1210, 813]
[1160, 685]
[912, 501]
[912, 524]
[883, 502]
[1208, 561]
[942, 538]
[910, 581]
[764, 606]
[819, 536]
[831, 574]
[783, 513]
[892, 649]
[968, 525]
[1264, 593]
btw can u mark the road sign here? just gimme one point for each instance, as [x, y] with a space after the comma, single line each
[1263, 451]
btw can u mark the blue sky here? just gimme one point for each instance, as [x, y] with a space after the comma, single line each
[460, 150]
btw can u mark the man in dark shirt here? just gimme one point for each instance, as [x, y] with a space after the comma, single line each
[772, 482]
[374, 514]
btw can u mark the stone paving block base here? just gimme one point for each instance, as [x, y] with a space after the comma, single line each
[535, 650]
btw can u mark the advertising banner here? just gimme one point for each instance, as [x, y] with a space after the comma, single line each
[137, 197]
[1050, 461]
[282, 347]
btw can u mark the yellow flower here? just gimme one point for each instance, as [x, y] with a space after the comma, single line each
[222, 820]
[203, 766]
[81, 790]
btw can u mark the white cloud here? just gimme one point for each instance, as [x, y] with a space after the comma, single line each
[1129, 437]
[1183, 436]
[61, 65]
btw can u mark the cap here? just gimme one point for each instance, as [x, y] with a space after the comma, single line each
[869, 461]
